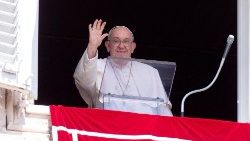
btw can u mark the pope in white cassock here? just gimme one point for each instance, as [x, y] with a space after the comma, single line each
[97, 79]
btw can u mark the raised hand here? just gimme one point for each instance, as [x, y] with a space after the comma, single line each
[95, 37]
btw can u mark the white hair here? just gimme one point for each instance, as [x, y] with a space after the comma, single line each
[111, 30]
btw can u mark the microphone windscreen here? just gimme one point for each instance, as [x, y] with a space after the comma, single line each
[230, 39]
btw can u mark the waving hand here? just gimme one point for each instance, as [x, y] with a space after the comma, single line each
[95, 37]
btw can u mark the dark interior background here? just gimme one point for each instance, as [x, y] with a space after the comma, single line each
[191, 33]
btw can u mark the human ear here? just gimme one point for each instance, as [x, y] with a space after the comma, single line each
[133, 47]
[107, 45]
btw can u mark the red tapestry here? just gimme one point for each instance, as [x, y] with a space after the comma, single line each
[85, 124]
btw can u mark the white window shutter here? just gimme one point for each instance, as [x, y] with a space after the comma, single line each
[19, 44]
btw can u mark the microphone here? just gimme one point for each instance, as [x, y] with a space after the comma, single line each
[230, 40]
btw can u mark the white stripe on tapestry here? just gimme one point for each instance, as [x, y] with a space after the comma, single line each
[54, 133]
[74, 133]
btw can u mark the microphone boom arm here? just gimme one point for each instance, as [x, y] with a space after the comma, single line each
[230, 40]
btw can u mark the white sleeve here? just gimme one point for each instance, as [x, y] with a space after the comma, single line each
[160, 89]
[85, 77]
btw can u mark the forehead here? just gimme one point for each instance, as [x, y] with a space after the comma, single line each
[121, 32]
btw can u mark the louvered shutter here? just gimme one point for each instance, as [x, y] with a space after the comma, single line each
[19, 44]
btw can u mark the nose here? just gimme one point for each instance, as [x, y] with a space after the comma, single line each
[121, 45]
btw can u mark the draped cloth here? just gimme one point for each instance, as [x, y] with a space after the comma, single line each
[88, 124]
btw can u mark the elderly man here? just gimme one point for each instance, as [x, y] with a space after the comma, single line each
[95, 77]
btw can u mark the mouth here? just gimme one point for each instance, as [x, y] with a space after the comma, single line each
[121, 51]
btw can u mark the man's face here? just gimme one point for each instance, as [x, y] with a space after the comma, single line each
[120, 43]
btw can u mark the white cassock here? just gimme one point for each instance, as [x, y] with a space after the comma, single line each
[95, 77]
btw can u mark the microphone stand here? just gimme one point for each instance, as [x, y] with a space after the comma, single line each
[230, 40]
